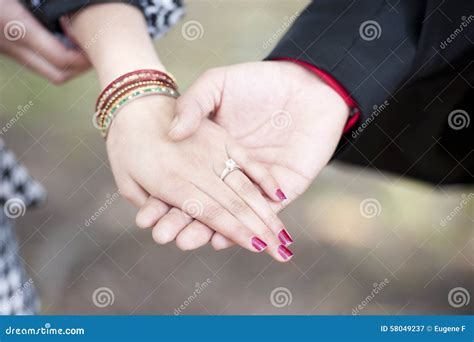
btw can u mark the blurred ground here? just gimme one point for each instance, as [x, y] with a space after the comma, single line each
[341, 255]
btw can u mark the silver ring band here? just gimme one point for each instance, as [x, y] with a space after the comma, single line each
[230, 166]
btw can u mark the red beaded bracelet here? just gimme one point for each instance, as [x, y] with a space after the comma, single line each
[102, 110]
[102, 103]
[138, 74]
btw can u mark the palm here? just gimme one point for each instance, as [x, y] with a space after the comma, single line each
[288, 126]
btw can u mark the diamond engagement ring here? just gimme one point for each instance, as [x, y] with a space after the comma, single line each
[230, 166]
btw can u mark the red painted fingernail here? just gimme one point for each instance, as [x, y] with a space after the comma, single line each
[258, 244]
[285, 253]
[280, 195]
[285, 237]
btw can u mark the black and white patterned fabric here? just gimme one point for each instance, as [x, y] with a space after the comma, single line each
[161, 15]
[19, 191]
[17, 291]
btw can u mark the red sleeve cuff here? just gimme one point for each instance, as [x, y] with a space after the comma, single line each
[338, 88]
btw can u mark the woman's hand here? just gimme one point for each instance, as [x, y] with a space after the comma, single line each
[25, 40]
[186, 175]
[285, 116]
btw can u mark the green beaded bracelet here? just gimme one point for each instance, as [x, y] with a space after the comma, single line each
[141, 92]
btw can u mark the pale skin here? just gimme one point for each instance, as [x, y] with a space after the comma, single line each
[289, 120]
[317, 116]
[147, 163]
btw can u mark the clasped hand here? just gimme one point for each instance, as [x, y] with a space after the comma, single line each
[281, 132]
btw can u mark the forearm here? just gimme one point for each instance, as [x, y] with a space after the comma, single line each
[115, 38]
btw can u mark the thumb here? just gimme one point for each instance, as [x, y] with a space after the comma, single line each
[201, 99]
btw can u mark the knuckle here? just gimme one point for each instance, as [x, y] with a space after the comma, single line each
[235, 230]
[191, 208]
[247, 188]
[213, 211]
[237, 206]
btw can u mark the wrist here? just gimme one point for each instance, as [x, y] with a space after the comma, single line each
[146, 116]
[303, 79]
[112, 47]
[354, 111]
[128, 88]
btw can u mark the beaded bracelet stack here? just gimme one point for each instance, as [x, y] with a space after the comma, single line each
[127, 88]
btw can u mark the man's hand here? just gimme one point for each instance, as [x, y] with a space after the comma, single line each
[25, 40]
[285, 116]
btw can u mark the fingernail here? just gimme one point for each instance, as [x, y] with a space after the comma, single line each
[280, 195]
[285, 253]
[258, 244]
[285, 237]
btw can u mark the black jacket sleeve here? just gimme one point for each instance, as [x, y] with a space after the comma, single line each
[409, 66]
[49, 11]
[365, 45]
[160, 15]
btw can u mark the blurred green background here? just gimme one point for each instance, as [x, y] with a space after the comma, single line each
[341, 255]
